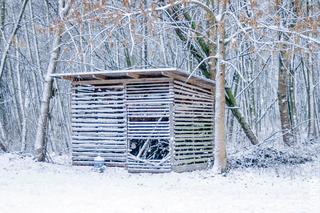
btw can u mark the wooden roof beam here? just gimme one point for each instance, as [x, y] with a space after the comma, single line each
[99, 77]
[133, 75]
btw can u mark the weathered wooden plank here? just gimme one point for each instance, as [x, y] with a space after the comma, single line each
[134, 86]
[148, 122]
[82, 129]
[98, 98]
[194, 132]
[153, 104]
[113, 115]
[197, 142]
[191, 98]
[190, 151]
[97, 121]
[192, 161]
[95, 143]
[110, 110]
[193, 128]
[93, 87]
[99, 148]
[91, 163]
[79, 93]
[146, 135]
[192, 119]
[192, 91]
[127, 81]
[97, 102]
[147, 115]
[112, 159]
[98, 125]
[148, 101]
[194, 114]
[98, 137]
[97, 106]
[184, 106]
[206, 90]
[106, 155]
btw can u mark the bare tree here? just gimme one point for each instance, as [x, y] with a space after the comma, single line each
[40, 143]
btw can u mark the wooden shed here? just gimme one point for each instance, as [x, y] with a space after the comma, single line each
[155, 120]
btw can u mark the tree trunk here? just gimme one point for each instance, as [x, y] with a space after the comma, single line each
[3, 138]
[2, 17]
[21, 103]
[220, 153]
[231, 102]
[40, 143]
[283, 99]
[311, 101]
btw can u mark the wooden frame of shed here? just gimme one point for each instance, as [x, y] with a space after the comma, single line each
[155, 120]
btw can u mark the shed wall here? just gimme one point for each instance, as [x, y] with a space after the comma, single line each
[99, 124]
[193, 126]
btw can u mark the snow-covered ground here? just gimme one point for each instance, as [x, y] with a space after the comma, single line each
[30, 187]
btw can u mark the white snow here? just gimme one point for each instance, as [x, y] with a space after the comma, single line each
[30, 187]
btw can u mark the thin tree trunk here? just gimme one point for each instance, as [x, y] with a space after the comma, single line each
[36, 46]
[21, 104]
[311, 101]
[231, 102]
[15, 29]
[15, 92]
[3, 138]
[40, 143]
[220, 154]
[2, 17]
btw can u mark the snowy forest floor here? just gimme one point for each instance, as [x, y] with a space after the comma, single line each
[32, 187]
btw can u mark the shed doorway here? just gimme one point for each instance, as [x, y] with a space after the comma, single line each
[148, 131]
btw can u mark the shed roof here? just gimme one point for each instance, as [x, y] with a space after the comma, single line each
[135, 74]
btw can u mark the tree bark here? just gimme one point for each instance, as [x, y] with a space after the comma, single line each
[283, 99]
[231, 102]
[220, 153]
[2, 17]
[3, 138]
[40, 143]
[21, 104]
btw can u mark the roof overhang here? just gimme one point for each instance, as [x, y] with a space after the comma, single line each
[135, 74]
